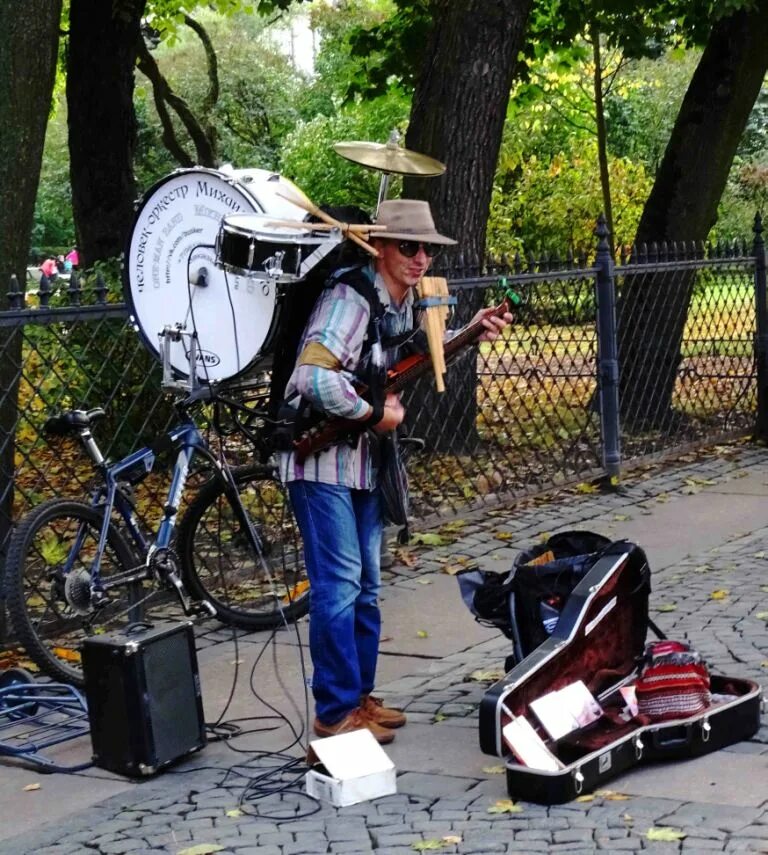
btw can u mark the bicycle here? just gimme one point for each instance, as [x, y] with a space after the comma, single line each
[72, 572]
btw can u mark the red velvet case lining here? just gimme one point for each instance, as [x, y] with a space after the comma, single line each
[601, 658]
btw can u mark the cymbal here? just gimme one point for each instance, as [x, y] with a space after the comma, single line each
[389, 158]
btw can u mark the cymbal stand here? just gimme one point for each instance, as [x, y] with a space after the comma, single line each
[392, 142]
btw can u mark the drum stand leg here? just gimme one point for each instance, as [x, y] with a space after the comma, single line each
[168, 336]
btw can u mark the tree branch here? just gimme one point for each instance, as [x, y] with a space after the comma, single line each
[165, 97]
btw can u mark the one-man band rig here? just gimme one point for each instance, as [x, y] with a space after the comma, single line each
[213, 251]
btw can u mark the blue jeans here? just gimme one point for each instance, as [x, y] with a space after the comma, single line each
[342, 530]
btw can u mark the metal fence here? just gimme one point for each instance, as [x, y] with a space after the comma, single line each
[543, 405]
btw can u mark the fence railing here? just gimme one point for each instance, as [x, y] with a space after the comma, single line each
[605, 364]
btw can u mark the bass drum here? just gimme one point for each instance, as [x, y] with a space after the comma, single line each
[171, 277]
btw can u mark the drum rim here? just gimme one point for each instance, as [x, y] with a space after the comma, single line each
[153, 347]
[308, 235]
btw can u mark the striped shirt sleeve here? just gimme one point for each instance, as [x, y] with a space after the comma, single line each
[339, 322]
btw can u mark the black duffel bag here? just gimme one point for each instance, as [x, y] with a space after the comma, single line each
[525, 604]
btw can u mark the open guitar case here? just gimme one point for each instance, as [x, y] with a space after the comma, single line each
[600, 639]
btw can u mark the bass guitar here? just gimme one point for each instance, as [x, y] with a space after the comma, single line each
[329, 431]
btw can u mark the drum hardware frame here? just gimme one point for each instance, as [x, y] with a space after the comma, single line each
[168, 335]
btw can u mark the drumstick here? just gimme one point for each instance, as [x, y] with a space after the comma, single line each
[303, 224]
[302, 201]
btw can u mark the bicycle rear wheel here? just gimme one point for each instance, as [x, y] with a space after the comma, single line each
[48, 579]
[252, 591]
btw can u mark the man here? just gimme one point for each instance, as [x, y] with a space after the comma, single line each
[334, 493]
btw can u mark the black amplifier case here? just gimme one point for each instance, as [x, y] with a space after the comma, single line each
[598, 639]
[144, 703]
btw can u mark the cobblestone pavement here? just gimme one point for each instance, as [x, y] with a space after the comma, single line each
[448, 811]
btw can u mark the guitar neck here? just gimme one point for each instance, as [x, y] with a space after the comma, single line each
[412, 368]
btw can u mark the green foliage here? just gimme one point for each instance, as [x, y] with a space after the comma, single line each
[337, 67]
[309, 159]
[256, 108]
[166, 17]
[391, 50]
[53, 225]
[551, 204]
[641, 110]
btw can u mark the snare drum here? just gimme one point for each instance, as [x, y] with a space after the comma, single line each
[171, 277]
[248, 245]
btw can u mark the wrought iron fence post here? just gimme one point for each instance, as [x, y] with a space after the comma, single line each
[761, 331]
[607, 349]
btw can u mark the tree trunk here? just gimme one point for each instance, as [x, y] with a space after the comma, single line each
[459, 108]
[102, 129]
[683, 205]
[457, 116]
[28, 52]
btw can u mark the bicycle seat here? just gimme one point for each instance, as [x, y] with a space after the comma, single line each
[72, 421]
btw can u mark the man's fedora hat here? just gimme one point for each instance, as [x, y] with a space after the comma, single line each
[409, 219]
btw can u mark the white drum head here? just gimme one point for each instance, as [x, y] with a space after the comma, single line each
[171, 278]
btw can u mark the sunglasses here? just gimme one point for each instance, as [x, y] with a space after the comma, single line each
[409, 248]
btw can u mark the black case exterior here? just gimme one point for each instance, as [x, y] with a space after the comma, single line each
[614, 593]
[144, 702]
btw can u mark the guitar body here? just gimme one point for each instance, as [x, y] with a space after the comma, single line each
[328, 432]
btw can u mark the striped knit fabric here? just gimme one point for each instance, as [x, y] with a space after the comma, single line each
[673, 682]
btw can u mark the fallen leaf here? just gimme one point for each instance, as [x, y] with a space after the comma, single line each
[505, 806]
[428, 539]
[665, 833]
[762, 615]
[235, 812]
[439, 717]
[427, 845]
[407, 557]
[237, 662]
[667, 607]
[30, 787]
[201, 849]
[486, 676]
[764, 663]
[702, 568]
[760, 554]
[764, 589]
[494, 770]
[622, 517]
[585, 798]
[453, 526]
[503, 535]
[424, 581]
[420, 633]
[584, 487]
[611, 796]
[718, 595]
[451, 838]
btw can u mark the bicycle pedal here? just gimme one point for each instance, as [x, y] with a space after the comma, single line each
[99, 599]
[200, 608]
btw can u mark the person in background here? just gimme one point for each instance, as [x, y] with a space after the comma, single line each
[49, 268]
[71, 259]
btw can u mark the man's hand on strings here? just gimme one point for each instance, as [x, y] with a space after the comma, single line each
[493, 324]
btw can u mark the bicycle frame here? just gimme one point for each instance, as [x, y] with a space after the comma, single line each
[187, 438]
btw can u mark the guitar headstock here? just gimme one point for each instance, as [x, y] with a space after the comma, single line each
[511, 297]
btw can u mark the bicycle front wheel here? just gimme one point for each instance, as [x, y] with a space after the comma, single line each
[252, 589]
[48, 573]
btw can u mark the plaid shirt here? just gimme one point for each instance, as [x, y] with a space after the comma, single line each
[339, 322]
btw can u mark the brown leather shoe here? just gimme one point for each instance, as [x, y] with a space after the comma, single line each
[375, 711]
[354, 721]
